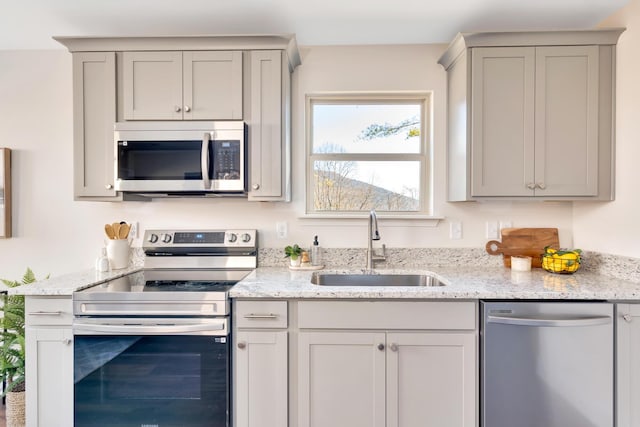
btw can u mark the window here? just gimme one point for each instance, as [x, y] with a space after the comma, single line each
[368, 152]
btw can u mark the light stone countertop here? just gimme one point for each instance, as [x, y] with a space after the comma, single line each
[468, 273]
[67, 284]
[461, 283]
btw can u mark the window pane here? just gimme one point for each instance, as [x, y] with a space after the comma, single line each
[361, 186]
[366, 128]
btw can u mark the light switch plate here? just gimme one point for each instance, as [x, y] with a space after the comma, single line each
[281, 229]
[492, 230]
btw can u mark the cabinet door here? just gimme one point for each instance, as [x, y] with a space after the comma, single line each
[49, 373]
[431, 379]
[94, 112]
[341, 379]
[269, 146]
[261, 379]
[628, 369]
[502, 117]
[566, 133]
[152, 85]
[212, 85]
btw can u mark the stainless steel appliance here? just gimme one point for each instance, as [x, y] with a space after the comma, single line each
[180, 158]
[153, 348]
[547, 364]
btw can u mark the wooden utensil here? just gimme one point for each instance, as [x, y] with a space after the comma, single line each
[123, 233]
[524, 241]
[108, 229]
[116, 230]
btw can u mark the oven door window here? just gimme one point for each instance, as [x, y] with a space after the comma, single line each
[164, 381]
[160, 160]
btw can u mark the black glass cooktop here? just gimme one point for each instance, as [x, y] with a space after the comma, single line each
[187, 286]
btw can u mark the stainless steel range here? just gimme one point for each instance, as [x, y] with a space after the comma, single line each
[152, 348]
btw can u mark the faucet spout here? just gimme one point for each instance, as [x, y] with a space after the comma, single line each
[373, 234]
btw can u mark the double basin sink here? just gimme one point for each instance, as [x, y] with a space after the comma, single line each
[374, 279]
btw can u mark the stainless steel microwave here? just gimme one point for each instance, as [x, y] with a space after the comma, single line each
[181, 158]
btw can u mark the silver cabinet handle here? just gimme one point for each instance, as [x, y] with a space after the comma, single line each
[178, 109]
[261, 316]
[627, 318]
[187, 108]
[242, 345]
[108, 186]
[531, 186]
[541, 185]
[45, 313]
[255, 187]
[393, 347]
[381, 347]
[550, 322]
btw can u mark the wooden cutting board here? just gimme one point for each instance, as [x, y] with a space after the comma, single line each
[524, 241]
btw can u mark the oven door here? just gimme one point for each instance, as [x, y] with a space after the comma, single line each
[151, 372]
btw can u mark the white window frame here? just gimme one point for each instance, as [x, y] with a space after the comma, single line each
[425, 156]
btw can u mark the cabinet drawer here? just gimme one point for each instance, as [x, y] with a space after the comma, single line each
[387, 315]
[48, 310]
[261, 314]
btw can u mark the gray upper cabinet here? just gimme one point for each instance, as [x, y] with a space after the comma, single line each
[269, 124]
[188, 85]
[183, 78]
[94, 112]
[531, 115]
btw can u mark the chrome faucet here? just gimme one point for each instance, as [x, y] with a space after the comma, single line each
[373, 234]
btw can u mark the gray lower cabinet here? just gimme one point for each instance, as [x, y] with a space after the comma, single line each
[394, 364]
[260, 364]
[531, 115]
[627, 366]
[49, 361]
[94, 113]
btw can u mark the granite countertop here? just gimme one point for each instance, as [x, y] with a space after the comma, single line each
[470, 282]
[67, 284]
[461, 283]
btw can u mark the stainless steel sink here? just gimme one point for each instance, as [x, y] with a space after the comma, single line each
[348, 279]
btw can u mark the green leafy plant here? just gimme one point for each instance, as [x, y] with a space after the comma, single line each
[293, 252]
[12, 338]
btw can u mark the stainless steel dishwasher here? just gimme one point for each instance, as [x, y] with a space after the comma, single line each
[547, 364]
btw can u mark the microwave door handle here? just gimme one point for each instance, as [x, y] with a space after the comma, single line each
[204, 161]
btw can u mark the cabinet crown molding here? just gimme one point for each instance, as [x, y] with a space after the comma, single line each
[285, 42]
[462, 41]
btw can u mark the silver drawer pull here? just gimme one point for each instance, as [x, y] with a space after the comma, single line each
[261, 316]
[45, 313]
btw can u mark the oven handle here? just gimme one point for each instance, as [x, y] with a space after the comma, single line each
[157, 329]
[204, 160]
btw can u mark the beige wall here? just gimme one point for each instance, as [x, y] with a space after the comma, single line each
[54, 234]
[614, 227]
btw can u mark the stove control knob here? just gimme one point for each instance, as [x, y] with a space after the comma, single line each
[232, 237]
[166, 238]
[246, 237]
[153, 238]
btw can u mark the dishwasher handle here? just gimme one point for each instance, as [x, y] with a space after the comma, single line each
[551, 322]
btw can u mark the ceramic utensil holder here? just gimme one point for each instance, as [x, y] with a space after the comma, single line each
[118, 253]
[520, 263]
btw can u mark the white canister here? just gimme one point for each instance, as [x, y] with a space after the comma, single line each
[520, 263]
[118, 253]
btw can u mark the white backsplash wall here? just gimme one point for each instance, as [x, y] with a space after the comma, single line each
[56, 235]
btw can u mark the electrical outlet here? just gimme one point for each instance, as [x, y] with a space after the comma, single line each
[455, 230]
[281, 229]
[492, 230]
[133, 231]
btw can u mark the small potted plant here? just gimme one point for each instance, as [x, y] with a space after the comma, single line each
[12, 350]
[293, 253]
